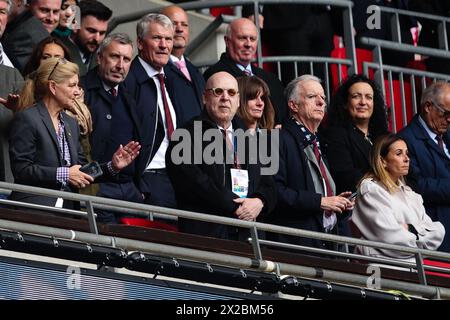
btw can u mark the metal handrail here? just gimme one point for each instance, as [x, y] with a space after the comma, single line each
[115, 204]
[224, 259]
[195, 5]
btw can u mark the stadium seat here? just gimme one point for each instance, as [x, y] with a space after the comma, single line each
[141, 222]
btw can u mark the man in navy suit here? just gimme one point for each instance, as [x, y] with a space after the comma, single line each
[186, 80]
[428, 142]
[155, 104]
[114, 117]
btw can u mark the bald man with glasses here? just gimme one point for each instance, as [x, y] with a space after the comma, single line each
[428, 142]
[228, 187]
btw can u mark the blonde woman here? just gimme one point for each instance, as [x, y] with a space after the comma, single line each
[44, 141]
[387, 210]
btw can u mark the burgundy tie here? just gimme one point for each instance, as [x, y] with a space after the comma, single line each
[113, 92]
[323, 172]
[440, 142]
[169, 122]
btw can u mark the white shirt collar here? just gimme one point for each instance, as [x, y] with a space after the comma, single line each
[151, 72]
[248, 67]
[107, 88]
[175, 59]
[427, 129]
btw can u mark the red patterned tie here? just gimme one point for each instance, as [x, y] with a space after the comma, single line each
[113, 92]
[323, 172]
[440, 142]
[169, 122]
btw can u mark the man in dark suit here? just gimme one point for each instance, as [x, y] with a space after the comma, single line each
[114, 118]
[155, 105]
[428, 141]
[306, 190]
[23, 32]
[241, 41]
[211, 187]
[83, 43]
[11, 81]
[186, 80]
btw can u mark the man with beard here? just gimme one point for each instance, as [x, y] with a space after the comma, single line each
[114, 117]
[84, 42]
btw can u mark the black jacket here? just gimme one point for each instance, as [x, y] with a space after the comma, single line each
[276, 88]
[206, 188]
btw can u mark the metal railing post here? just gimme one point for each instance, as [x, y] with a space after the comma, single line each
[255, 243]
[91, 217]
[420, 269]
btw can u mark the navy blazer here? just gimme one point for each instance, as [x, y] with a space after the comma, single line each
[144, 92]
[35, 153]
[100, 106]
[188, 93]
[432, 167]
[298, 202]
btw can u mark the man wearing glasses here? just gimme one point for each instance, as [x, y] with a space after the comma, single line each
[428, 142]
[227, 187]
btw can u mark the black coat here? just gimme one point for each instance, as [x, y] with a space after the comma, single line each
[276, 88]
[298, 202]
[348, 155]
[103, 146]
[206, 188]
[35, 153]
[188, 93]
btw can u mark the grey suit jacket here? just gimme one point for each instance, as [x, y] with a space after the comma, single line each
[11, 81]
[21, 37]
[35, 153]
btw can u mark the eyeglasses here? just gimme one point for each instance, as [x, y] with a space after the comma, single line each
[60, 60]
[219, 91]
[446, 113]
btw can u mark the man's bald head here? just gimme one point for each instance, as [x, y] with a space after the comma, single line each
[241, 41]
[221, 106]
[180, 22]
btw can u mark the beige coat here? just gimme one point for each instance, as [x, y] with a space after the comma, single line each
[379, 216]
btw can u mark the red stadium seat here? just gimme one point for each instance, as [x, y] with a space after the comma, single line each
[141, 222]
[440, 264]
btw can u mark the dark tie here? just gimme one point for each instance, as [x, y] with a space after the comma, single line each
[248, 73]
[169, 122]
[323, 172]
[440, 142]
[113, 92]
[1, 54]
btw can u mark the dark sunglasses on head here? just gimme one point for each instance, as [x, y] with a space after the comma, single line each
[446, 113]
[60, 60]
[219, 91]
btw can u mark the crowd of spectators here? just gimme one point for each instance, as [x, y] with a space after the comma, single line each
[85, 99]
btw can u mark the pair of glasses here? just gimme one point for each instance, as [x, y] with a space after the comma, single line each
[446, 113]
[60, 60]
[219, 91]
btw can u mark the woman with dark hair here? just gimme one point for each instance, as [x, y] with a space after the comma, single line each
[50, 47]
[255, 110]
[356, 117]
[389, 211]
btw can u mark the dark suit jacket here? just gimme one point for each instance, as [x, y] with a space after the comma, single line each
[432, 167]
[143, 91]
[206, 188]
[276, 88]
[348, 155]
[298, 203]
[35, 153]
[11, 81]
[21, 37]
[76, 57]
[188, 93]
[100, 105]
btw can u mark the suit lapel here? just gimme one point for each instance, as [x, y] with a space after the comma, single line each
[45, 116]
